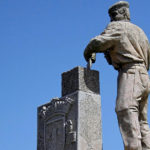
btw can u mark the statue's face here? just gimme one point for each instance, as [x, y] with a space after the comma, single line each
[120, 14]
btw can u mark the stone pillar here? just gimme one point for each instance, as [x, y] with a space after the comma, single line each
[72, 122]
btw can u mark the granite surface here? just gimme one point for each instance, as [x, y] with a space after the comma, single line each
[72, 122]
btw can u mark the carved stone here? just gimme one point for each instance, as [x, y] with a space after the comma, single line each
[72, 122]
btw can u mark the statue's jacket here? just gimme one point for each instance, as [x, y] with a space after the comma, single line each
[126, 42]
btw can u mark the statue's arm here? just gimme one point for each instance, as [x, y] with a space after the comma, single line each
[103, 42]
[149, 57]
[97, 45]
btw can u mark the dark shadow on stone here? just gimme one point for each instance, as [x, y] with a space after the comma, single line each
[91, 79]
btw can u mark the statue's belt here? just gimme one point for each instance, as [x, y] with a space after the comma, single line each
[131, 65]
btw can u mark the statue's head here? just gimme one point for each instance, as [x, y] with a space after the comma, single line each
[119, 11]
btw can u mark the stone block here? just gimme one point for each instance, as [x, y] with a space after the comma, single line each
[72, 122]
[80, 79]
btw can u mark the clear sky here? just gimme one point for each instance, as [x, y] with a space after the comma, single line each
[40, 39]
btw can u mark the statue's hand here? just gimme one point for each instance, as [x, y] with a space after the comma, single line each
[91, 60]
[88, 54]
[93, 57]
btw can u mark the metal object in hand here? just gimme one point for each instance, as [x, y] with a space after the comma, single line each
[89, 64]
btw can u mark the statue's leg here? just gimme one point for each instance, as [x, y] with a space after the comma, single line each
[143, 109]
[130, 129]
[127, 109]
[145, 130]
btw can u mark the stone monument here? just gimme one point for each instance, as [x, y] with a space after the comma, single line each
[126, 47]
[72, 122]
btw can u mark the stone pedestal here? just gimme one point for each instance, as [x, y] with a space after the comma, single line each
[72, 122]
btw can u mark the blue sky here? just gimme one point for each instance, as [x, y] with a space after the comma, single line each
[40, 39]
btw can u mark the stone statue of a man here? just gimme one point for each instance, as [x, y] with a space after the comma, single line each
[126, 47]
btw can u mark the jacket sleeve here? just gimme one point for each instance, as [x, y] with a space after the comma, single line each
[148, 65]
[106, 40]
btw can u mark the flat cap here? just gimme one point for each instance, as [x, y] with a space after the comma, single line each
[118, 5]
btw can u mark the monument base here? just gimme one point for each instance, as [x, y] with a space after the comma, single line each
[72, 122]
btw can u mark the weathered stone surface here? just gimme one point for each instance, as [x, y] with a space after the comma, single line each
[80, 79]
[56, 128]
[72, 122]
[89, 124]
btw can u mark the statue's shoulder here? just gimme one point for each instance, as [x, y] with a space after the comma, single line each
[135, 28]
[112, 24]
[123, 25]
[115, 26]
